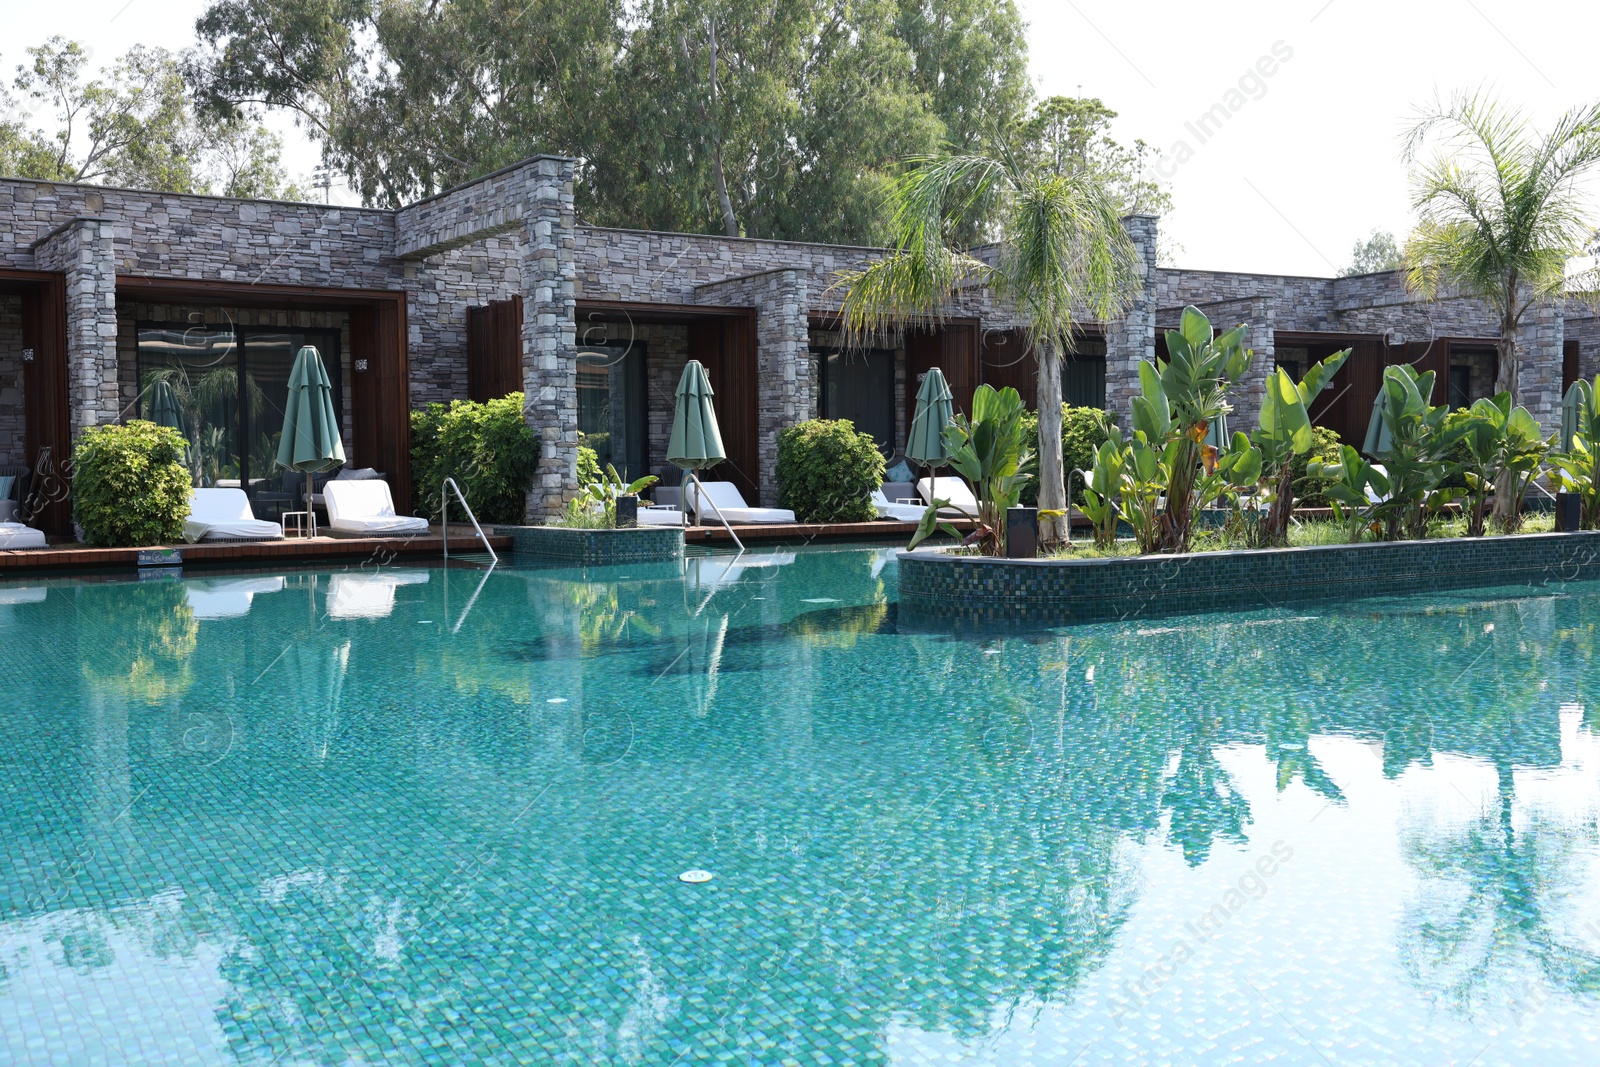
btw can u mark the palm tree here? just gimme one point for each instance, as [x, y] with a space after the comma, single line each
[1061, 252]
[1502, 210]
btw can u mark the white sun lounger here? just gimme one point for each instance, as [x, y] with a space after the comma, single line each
[368, 596]
[364, 508]
[225, 515]
[952, 491]
[16, 535]
[724, 497]
[899, 512]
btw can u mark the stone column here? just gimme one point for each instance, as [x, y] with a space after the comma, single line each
[1250, 391]
[784, 389]
[84, 250]
[1134, 338]
[549, 348]
[1540, 340]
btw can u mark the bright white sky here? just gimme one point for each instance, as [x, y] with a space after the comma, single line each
[1292, 180]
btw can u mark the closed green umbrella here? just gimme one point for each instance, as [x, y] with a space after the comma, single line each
[1578, 401]
[934, 410]
[696, 442]
[1376, 443]
[1217, 433]
[162, 407]
[310, 439]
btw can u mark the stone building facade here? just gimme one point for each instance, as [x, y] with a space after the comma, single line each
[126, 257]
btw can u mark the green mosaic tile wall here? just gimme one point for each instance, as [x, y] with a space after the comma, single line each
[593, 548]
[936, 586]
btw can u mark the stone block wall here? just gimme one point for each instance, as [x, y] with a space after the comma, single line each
[1583, 325]
[549, 352]
[441, 290]
[783, 357]
[84, 250]
[13, 422]
[1133, 339]
[216, 238]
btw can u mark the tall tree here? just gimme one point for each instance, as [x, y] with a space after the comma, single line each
[1061, 250]
[1378, 252]
[1501, 210]
[1072, 135]
[777, 118]
[133, 126]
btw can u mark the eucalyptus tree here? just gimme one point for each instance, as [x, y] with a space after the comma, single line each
[771, 118]
[1060, 253]
[1502, 210]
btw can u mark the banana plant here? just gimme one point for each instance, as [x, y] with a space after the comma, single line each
[1504, 453]
[1284, 433]
[987, 451]
[1414, 465]
[1104, 489]
[1577, 469]
[601, 494]
[1348, 483]
[1180, 396]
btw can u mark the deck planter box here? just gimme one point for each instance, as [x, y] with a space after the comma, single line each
[593, 548]
[938, 588]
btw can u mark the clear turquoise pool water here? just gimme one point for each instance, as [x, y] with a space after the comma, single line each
[391, 816]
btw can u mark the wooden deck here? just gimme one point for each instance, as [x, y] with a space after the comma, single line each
[293, 551]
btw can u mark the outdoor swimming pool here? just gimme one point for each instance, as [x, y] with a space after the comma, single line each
[393, 816]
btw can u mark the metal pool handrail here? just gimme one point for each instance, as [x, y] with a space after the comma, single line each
[444, 518]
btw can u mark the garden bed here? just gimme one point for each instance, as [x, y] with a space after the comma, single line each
[939, 586]
[593, 547]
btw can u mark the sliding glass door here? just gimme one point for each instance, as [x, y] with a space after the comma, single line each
[225, 389]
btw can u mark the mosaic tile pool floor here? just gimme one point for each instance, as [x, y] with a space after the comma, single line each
[411, 816]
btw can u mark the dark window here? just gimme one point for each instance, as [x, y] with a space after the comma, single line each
[1460, 387]
[1294, 359]
[612, 413]
[858, 384]
[229, 387]
[1083, 373]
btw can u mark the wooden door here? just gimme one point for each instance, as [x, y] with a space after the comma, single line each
[1005, 358]
[494, 349]
[47, 419]
[953, 348]
[1427, 356]
[380, 400]
[725, 345]
[1345, 405]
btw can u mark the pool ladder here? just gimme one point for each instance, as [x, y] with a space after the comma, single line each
[444, 519]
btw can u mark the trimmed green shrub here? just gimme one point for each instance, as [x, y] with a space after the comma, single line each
[487, 448]
[827, 471]
[129, 485]
[1083, 430]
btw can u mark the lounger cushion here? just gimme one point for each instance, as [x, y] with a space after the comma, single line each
[725, 497]
[660, 517]
[16, 535]
[953, 491]
[364, 506]
[225, 515]
[899, 512]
